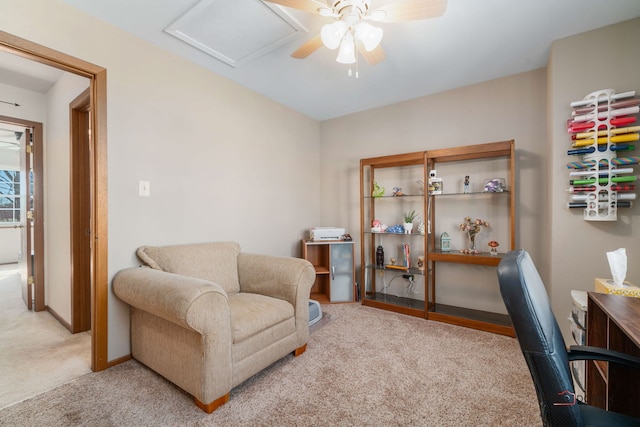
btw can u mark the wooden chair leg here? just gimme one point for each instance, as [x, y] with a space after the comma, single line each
[210, 407]
[298, 351]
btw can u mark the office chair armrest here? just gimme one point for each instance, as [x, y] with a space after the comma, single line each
[585, 352]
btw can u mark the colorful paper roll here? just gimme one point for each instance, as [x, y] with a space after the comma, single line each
[602, 172]
[614, 131]
[601, 205]
[603, 197]
[604, 107]
[625, 160]
[581, 126]
[614, 187]
[581, 151]
[602, 180]
[604, 115]
[628, 137]
[618, 161]
[601, 99]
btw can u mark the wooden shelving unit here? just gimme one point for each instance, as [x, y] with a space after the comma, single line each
[384, 287]
[408, 168]
[477, 319]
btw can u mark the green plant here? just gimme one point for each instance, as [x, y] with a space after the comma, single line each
[409, 216]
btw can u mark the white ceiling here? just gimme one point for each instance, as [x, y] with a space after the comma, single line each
[474, 41]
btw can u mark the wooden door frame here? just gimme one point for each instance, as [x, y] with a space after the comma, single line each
[98, 115]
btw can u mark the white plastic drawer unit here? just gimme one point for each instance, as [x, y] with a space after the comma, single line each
[579, 310]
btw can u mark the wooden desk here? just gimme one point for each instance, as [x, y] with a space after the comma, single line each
[613, 321]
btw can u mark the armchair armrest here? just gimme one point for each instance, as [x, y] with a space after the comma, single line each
[286, 278]
[188, 302]
[584, 352]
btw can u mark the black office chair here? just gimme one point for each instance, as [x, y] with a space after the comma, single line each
[544, 349]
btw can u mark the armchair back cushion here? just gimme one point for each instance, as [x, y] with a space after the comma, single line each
[216, 261]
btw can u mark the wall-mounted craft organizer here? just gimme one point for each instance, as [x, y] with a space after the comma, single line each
[603, 129]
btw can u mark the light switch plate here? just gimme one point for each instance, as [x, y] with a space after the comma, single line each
[145, 189]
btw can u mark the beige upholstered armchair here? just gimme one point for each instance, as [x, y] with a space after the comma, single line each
[207, 316]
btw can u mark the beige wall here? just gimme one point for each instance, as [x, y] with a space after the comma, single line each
[602, 59]
[224, 162]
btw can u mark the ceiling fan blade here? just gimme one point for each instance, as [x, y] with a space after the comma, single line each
[310, 6]
[375, 56]
[308, 48]
[412, 10]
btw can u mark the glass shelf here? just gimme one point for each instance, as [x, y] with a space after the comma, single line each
[475, 193]
[404, 196]
[411, 270]
[382, 233]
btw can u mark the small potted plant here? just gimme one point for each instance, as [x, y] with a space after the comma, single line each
[408, 218]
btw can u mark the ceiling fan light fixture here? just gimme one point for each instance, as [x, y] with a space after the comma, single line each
[347, 53]
[332, 34]
[369, 35]
[325, 11]
[378, 15]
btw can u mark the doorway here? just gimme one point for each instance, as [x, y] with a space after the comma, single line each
[28, 206]
[98, 235]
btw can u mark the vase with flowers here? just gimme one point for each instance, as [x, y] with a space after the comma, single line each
[472, 228]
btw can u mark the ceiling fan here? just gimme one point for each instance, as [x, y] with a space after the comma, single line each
[351, 31]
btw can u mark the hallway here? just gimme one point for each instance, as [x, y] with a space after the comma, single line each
[37, 353]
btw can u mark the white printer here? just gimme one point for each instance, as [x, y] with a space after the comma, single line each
[326, 233]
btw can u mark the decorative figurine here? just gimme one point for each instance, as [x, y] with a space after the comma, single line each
[392, 261]
[466, 184]
[495, 185]
[435, 183]
[380, 256]
[494, 247]
[421, 227]
[421, 263]
[377, 190]
[445, 242]
[376, 226]
[397, 191]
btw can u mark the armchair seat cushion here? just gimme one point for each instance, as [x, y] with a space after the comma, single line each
[253, 313]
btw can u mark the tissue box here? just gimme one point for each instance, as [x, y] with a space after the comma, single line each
[606, 286]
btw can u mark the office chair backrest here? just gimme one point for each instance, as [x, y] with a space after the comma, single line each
[540, 338]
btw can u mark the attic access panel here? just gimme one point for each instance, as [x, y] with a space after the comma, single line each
[236, 31]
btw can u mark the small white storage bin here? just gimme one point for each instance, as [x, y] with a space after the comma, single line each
[579, 310]
[315, 312]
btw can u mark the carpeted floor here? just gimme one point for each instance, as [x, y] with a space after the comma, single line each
[37, 353]
[363, 367]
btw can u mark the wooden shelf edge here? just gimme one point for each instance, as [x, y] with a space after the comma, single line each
[395, 308]
[483, 258]
[473, 324]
